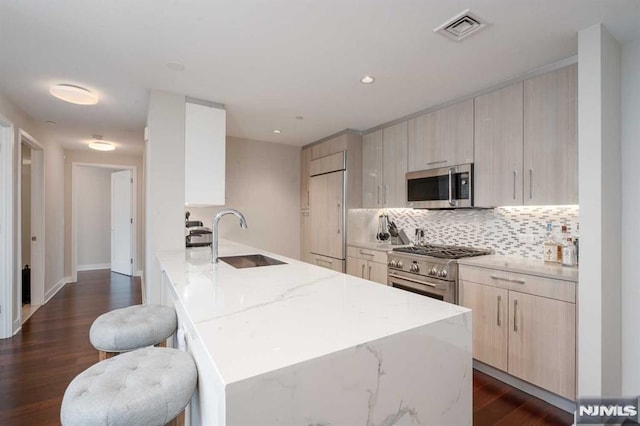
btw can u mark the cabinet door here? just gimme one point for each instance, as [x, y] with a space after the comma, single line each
[356, 267]
[305, 158]
[490, 322]
[394, 160]
[542, 342]
[327, 214]
[372, 153]
[551, 138]
[441, 138]
[377, 272]
[498, 148]
[305, 237]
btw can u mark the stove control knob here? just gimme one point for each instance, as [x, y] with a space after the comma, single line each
[393, 263]
[414, 267]
[442, 273]
[433, 272]
[399, 264]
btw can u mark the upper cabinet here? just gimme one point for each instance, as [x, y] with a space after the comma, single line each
[551, 138]
[498, 148]
[441, 138]
[205, 142]
[305, 159]
[384, 164]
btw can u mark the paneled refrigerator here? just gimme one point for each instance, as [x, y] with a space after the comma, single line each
[327, 211]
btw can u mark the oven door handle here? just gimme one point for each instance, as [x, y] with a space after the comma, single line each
[411, 280]
[451, 202]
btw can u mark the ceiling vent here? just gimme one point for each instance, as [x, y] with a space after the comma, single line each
[461, 26]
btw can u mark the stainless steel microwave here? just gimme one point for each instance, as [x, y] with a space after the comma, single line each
[442, 188]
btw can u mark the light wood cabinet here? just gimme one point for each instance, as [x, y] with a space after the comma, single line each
[305, 237]
[384, 165]
[441, 138]
[305, 160]
[327, 214]
[551, 138]
[498, 170]
[539, 313]
[328, 262]
[368, 264]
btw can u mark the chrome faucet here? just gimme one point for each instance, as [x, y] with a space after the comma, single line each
[214, 242]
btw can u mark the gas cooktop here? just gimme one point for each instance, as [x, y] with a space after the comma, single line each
[442, 251]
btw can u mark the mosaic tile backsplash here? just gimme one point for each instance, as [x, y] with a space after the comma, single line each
[519, 231]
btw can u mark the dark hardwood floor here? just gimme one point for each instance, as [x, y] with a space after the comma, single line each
[53, 347]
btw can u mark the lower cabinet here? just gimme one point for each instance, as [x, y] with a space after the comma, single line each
[368, 264]
[327, 262]
[524, 325]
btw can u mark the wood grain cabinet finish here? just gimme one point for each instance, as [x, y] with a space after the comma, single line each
[498, 170]
[551, 138]
[524, 325]
[305, 237]
[368, 264]
[305, 160]
[441, 138]
[384, 165]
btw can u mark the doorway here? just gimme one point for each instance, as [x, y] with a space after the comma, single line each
[31, 228]
[103, 208]
[6, 226]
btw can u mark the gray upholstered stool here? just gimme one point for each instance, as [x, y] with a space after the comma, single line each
[149, 386]
[131, 328]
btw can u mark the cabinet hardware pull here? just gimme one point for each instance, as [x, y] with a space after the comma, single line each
[365, 253]
[511, 280]
[369, 272]
[308, 198]
[436, 162]
[363, 270]
[339, 217]
[530, 183]
[378, 191]
[384, 199]
[451, 203]
[515, 177]
[499, 300]
[330, 262]
[515, 308]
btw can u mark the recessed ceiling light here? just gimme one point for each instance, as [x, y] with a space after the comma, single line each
[74, 94]
[175, 66]
[50, 122]
[299, 117]
[277, 131]
[102, 146]
[367, 79]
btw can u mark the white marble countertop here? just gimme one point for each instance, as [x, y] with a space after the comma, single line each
[257, 320]
[523, 265]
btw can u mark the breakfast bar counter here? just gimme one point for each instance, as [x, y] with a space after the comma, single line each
[297, 344]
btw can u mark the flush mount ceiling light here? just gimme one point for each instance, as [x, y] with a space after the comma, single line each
[102, 146]
[175, 66]
[367, 79]
[74, 94]
[462, 25]
[277, 131]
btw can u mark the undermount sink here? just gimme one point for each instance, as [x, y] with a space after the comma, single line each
[251, 261]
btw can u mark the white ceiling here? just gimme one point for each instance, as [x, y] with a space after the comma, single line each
[272, 60]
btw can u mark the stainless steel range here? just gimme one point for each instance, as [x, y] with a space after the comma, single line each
[430, 270]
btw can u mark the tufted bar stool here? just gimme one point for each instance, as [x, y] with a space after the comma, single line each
[149, 386]
[134, 327]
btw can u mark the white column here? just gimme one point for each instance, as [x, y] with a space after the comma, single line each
[599, 302]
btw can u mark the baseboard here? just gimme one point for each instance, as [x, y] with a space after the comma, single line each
[56, 288]
[93, 267]
[545, 395]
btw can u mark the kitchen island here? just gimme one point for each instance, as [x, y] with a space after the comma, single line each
[297, 344]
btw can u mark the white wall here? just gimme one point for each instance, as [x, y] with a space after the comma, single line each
[113, 158]
[93, 215]
[164, 181]
[263, 182]
[630, 222]
[599, 301]
[26, 204]
[54, 201]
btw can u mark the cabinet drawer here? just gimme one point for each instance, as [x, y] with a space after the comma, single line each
[328, 262]
[531, 284]
[367, 254]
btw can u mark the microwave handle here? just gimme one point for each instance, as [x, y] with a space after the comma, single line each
[451, 202]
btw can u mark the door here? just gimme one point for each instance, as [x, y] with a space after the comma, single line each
[489, 305]
[122, 222]
[305, 248]
[327, 214]
[394, 190]
[542, 342]
[372, 170]
[356, 267]
[377, 272]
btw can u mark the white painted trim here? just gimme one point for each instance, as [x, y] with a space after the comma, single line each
[55, 289]
[74, 212]
[543, 394]
[93, 267]
[7, 259]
